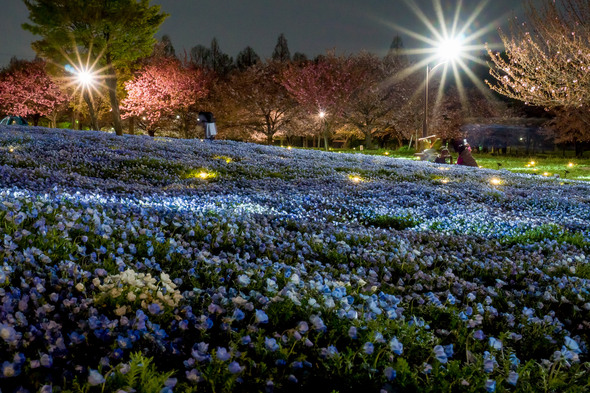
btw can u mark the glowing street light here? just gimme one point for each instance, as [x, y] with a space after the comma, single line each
[85, 78]
[448, 51]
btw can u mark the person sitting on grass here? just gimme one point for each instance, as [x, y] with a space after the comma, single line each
[464, 151]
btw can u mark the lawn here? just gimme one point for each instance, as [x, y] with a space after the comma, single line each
[544, 164]
[158, 265]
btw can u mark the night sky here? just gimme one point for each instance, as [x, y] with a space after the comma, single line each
[310, 26]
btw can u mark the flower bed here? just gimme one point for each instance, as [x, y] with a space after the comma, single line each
[182, 265]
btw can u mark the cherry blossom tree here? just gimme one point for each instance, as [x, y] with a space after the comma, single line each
[547, 62]
[161, 90]
[27, 90]
[262, 103]
[323, 87]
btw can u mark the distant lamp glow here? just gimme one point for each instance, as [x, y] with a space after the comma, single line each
[322, 114]
[450, 49]
[546, 174]
[532, 163]
[571, 164]
[288, 147]
[386, 153]
[495, 181]
[11, 149]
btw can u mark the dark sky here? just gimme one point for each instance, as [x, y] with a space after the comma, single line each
[310, 26]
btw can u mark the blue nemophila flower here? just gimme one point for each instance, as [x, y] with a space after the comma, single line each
[271, 344]
[9, 369]
[495, 344]
[234, 367]
[246, 340]
[317, 323]
[238, 314]
[440, 354]
[352, 332]
[46, 389]
[572, 345]
[478, 335]
[222, 354]
[243, 280]
[154, 308]
[390, 373]
[512, 378]
[396, 346]
[490, 386]
[368, 348]
[488, 362]
[514, 360]
[95, 378]
[449, 350]
[261, 317]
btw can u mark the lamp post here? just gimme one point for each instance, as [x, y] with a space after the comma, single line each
[447, 51]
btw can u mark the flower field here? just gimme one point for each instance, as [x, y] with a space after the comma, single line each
[156, 265]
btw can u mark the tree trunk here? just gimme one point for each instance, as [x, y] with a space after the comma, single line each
[93, 121]
[151, 133]
[132, 125]
[111, 82]
[368, 140]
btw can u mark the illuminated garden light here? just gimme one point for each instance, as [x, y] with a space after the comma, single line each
[322, 114]
[355, 178]
[288, 147]
[386, 153]
[495, 181]
[546, 174]
[571, 164]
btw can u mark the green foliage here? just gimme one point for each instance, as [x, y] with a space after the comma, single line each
[393, 222]
[547, 232]
[122, 30]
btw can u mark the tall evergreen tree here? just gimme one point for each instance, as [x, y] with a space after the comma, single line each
[167, 46]
[247, 58]
[111, 33]
[281, 52]
[220, 62]
[396, 55]
[201, 56]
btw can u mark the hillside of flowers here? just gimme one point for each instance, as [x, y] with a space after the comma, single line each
[137, 264]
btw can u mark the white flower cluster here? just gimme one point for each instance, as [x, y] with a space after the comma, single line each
[131, 286]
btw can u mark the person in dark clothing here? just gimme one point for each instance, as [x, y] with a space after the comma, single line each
[464, 151]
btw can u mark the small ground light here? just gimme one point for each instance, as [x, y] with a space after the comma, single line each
[355, 178]
[546, 173]
[386, 153]
[532, 163]
[571, 164]
[11, 150]
[495, 181]
[288, 147]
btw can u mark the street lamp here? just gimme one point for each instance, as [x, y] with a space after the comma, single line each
[86, 79]
[448, 50]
